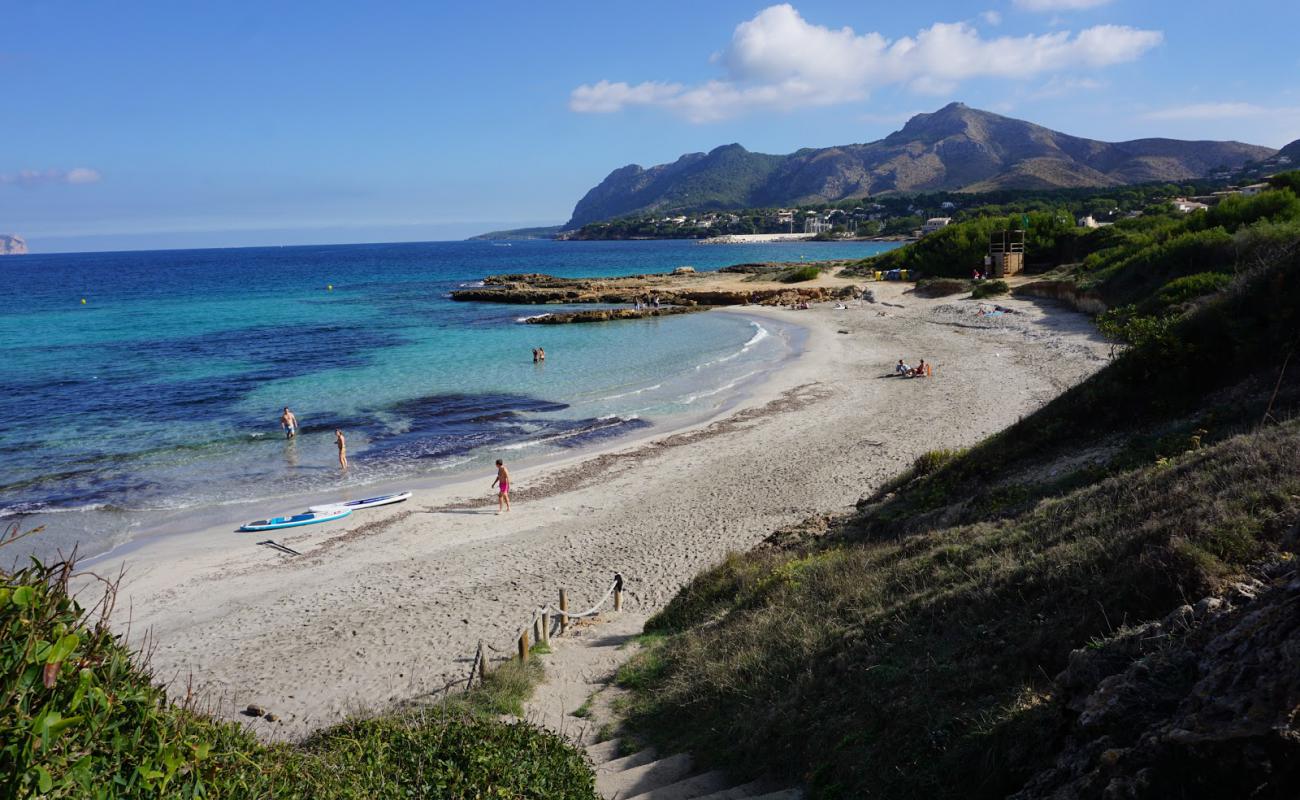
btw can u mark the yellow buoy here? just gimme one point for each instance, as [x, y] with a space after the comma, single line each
[83, 301]
[330, 287]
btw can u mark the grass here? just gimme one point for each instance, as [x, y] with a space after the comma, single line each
[881, 668]
[799, 274]
[83, 718]
[912, 653]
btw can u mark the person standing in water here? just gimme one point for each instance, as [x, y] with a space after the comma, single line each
[290, 423]
[342, 442]
[502, 484]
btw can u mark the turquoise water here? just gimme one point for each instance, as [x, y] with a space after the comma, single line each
[162, 392]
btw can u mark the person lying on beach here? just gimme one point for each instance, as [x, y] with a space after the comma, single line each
[290, 423]
[502, 484]
[342, 442]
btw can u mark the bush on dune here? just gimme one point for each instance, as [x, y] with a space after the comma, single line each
[83, 718]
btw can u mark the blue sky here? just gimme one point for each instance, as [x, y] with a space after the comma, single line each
[139, 125]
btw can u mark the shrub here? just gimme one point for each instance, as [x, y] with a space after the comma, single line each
[1189, 287]
[801, 274]
[82, 718]
[985, 289]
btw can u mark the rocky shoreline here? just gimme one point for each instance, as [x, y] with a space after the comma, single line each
[679, 288]
[611, 314]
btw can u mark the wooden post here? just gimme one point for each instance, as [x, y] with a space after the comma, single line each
[546, 628]
[618, 591]
[482, 666]
[564, 611]
[537, 629]
[523, 647]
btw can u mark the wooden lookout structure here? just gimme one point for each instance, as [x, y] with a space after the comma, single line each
[1006, 254]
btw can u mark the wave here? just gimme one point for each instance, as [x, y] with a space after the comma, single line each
[724, 387]
[759, 335]
[633, 392]
[531, 316]
[24, 509]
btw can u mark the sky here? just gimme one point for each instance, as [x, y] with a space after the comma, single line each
[164, 125]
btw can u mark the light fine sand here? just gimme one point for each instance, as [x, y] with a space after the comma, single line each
[386, 607]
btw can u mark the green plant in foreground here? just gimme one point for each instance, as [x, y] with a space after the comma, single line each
[82, 718]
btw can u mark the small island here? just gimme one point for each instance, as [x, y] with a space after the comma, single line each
[11, 244]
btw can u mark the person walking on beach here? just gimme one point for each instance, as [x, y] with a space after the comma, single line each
[502, 484]
[342, 442]
[290, 423]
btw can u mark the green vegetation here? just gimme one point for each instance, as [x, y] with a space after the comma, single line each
[83, 718]
[985, 289]
[912, 652]
[800, 274]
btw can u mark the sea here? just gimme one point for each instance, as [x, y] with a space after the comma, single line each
[142, 391]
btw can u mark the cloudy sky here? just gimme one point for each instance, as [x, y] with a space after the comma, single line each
[176, 125]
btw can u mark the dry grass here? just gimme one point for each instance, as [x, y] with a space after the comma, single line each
[883, 668]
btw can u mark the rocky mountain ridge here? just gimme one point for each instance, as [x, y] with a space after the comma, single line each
[956, 148]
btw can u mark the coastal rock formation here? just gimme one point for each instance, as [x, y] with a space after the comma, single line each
[12, 245]
[610, 314]
[955, 148]
[678, 289]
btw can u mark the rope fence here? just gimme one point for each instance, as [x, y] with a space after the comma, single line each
[539, 626]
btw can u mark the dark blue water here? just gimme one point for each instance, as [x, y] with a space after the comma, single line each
[163, 389]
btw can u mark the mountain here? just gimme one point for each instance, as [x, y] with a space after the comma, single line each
[956, 148]
[1292, 153]
[517, 234]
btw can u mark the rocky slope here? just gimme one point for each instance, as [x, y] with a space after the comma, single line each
[954, 148]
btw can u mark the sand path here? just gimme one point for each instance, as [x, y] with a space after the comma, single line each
[386, 608]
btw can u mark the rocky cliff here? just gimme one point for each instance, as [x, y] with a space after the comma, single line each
[955, 148]
[12, 245]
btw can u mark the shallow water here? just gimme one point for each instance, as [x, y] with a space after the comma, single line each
[163, 390]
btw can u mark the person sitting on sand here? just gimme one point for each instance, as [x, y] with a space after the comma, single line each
[342, 442]
[502, 484]
[901, 368]
[921, 370]
[290, 423]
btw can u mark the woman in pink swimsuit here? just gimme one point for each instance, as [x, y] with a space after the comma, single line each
[503, 487]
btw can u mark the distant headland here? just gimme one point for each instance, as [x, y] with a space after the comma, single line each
[11, 244]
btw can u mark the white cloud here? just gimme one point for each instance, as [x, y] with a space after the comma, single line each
[83, 175]
[780, 61]
[1206, 111]
[1059, 5]
[991, 17]
[36, 177]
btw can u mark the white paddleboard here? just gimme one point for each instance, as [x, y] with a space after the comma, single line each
[357, 505]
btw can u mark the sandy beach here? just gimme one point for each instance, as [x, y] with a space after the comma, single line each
[387, 606]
